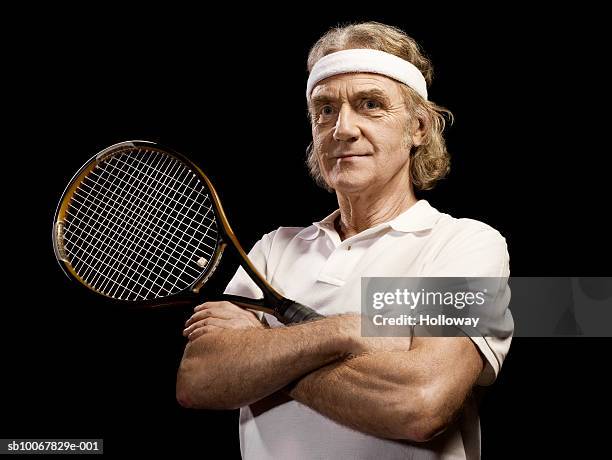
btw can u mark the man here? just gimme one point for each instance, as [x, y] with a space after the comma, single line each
[320, 389]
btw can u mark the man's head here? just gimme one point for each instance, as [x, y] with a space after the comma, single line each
[367, 126]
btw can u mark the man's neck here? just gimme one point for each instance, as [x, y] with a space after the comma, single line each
[358, 212]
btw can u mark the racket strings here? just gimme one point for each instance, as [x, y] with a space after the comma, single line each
[106, 263]
[113, 232]
[140, 226]
[179, 178]
[156, 201]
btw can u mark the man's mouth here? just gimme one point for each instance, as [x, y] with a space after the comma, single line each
[350, 155]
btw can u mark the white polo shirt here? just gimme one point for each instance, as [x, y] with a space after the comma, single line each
[314, 267]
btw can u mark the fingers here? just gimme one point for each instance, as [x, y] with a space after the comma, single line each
[216, 322]
[188, 330]
[207, 310]
[215, 316]
[202, 330]
[199, 316]
[221, 305]
[223, 310]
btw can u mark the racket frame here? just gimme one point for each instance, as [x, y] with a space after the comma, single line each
[226, 238]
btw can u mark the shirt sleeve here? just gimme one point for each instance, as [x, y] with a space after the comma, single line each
[242, 284]
[477, 250]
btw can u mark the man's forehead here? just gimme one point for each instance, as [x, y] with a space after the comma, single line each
[356, 83]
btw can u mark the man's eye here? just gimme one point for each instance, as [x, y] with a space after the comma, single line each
[371, 104]
[327, 110]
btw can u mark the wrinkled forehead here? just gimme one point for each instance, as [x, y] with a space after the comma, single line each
[355, 84]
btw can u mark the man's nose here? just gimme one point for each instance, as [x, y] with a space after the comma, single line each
[346, 125]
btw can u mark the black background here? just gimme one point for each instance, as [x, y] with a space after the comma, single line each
[529, 158]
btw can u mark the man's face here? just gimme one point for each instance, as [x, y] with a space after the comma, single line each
[360, 132]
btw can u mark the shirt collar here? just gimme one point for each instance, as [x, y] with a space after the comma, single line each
[419, 217]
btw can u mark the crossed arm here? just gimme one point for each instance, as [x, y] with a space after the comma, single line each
[388, 387]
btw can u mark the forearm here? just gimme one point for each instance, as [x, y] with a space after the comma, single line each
[396, 394]
[372, 393]
[234, 368]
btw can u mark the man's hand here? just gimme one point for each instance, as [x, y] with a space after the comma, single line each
[216, 316]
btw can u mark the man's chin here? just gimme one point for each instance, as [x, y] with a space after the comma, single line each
[349, 186]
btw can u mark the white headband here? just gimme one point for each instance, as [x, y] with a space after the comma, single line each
[367, 61]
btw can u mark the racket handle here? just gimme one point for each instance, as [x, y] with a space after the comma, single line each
[292, 312]
[245, 302]
[298, 313]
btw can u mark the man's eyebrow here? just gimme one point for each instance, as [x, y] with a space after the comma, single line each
[371, 94]
[320, 100]
[374, 93]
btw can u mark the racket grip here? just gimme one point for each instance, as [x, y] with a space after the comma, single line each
[292, 312]
[298, 313]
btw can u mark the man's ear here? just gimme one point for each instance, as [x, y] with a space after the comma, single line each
[420, 128]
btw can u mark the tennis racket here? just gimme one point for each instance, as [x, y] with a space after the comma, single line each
[142, 224]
